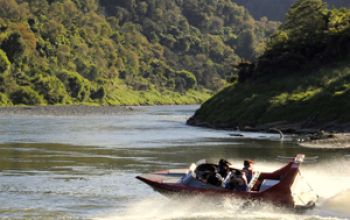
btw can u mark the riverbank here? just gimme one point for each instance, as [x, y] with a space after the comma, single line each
[312, 103]
[335, 141]
[328, 135]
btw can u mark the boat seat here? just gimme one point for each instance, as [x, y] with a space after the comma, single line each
[267, 184]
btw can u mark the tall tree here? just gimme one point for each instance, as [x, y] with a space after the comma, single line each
[306, 18]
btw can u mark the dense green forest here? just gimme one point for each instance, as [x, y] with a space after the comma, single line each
[277, 9]
[303, 77]
[123, 52]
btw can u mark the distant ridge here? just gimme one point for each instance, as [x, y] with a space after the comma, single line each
[276, 9]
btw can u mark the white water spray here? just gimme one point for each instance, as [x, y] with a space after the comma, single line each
[330, 179]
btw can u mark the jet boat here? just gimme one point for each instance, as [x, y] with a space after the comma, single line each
[279, 187]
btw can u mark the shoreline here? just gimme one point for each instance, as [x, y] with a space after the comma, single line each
[337, 141]
[323, 135]
[303, 127]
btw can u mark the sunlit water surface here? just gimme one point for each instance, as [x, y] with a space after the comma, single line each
[83, 167]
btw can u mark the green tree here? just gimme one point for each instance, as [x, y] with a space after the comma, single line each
[246, 44]
[10, 9]
[185, 80]
[13, 46]
[306, 18]
[63, 49]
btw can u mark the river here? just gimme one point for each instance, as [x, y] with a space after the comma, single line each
[83, 166]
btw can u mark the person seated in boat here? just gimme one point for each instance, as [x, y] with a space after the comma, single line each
[223, 168]
[208, 173]
[214, 179]
[211, 178]
[237, 182]
[248, 169]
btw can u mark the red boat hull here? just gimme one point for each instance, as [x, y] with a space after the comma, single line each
[279, 194]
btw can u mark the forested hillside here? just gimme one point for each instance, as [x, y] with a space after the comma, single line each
[123, 52]
[276, 9]
[303, 78]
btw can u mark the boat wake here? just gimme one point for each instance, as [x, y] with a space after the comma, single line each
[196, 208]
[338, 204]
[330, 179]
[161, 208]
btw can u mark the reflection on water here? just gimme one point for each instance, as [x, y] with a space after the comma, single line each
[149, 126]
[83, 166]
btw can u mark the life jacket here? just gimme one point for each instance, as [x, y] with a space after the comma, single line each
[248, 174]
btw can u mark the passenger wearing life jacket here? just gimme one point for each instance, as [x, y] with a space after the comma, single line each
[223, 168]
[248, 169]
[214, 179]
[237, 182]
[208, 173]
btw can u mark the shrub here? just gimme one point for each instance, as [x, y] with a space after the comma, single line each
[100, 93]
[21, 78]
[185, 80]
[4, 100]
[27, 96]
[51, 88]
[4, 62]
[76, 85]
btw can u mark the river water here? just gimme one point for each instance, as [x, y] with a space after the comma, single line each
[83, 166]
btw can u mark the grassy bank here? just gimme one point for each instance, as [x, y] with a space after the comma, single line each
[310, 98]
[124, 96]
